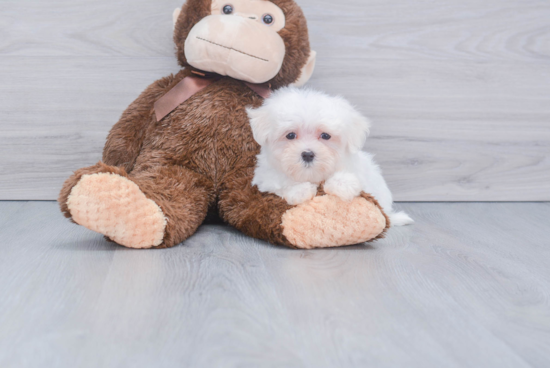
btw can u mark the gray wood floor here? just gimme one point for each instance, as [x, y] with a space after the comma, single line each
[467, 286]
[458, 90]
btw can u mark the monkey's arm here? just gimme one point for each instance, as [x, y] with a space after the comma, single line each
[127, 135]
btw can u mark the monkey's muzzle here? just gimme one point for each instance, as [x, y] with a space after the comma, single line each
[237, 47]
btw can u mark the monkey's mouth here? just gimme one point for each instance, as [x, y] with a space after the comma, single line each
[232, 49]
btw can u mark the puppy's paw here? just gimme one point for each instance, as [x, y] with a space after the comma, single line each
[346, 186]
[300, 193]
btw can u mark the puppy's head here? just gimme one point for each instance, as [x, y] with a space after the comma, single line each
[307, 134]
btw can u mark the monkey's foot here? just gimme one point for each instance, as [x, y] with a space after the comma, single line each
[115, 206]
[327, 221]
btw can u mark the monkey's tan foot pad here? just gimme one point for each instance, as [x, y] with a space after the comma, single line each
[115, 206]
[327, 221]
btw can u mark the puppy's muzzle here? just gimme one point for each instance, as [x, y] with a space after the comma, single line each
[308, 156]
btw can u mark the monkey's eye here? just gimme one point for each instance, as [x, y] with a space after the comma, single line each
[325, 136]
[268, 19]
[291, 136]
[228, 9]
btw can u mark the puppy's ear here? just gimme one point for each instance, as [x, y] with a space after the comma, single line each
[358, 132]
[260, 124]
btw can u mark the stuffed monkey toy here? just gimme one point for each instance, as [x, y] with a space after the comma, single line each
[184, 148]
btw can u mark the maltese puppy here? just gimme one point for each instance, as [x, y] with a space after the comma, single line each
[307, 138]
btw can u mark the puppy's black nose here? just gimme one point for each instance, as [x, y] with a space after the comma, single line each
[308, 156]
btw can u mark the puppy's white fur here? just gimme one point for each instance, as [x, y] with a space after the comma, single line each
[293, 121]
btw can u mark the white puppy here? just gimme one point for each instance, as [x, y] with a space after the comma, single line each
[308, 137]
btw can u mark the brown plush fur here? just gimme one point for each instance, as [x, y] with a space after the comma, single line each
[202, 155]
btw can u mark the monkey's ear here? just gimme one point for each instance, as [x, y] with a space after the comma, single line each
[260, 124]
[307, 70]
[175, 15]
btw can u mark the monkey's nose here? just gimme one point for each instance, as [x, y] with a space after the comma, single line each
[249, 16]
[308, 156]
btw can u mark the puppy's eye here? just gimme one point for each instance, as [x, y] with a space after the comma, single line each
[228, 9]
[325, 136]
[268, 19]
[291, 136]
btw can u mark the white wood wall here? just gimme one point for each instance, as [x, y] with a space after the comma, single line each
[458, 90]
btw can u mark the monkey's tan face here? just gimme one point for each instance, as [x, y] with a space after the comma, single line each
[239, 39]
